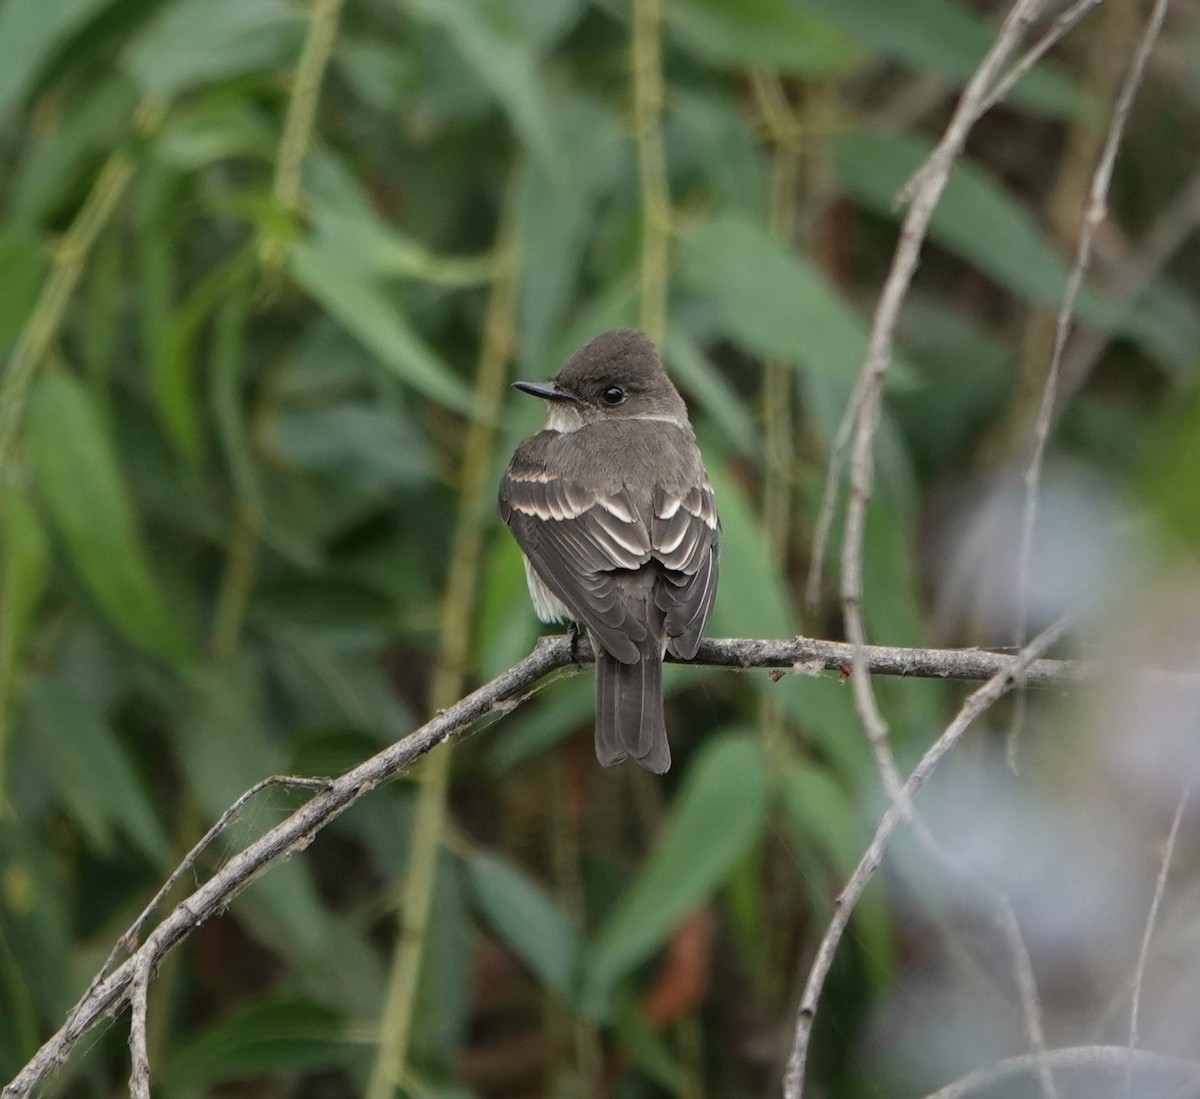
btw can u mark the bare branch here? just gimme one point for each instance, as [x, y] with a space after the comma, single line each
[1160, 889]
[332, 797]
[977, 702]
[1094, 215]
[1069, 1057]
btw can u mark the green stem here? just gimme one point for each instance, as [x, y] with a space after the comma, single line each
[646, 49]
[301, 116]
[416, 888]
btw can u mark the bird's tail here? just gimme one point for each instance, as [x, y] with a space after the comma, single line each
[629, 709]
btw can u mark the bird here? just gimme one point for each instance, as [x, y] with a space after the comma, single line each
[614, 513]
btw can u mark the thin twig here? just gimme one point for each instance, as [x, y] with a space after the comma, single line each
[502, 695]
[1070, 1057]
[128, 940]
[1094, 215]
[976, 703]
[139, 1057]
[1160, 889]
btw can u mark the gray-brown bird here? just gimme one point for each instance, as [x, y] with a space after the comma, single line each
[615, 515]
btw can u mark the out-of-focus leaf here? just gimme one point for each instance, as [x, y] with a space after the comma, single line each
[772, 34]
[54, 164]
[363, 308]
[946, 38]
[213, 130]
[276, 1035]
[172, 369]
[91, 773]
[491, 41]
[752, 600]
[717, 814]
[364, 444]
[224, 748]
[1171, 472]
[645, 1048]
[78, 473]
[24, 563]
[525, 917]
[443, 1009]
[196, 42]
[975, 219]
[30, 32]
[711, 135]
[556, 212]
[771, 300]
[825, 817]
[325, 601]
[34, 918]
[22, 262]
[719, 400]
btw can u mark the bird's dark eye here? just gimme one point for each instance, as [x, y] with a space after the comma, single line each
[614, 394]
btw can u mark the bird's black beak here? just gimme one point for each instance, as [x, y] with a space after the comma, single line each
[548, 391]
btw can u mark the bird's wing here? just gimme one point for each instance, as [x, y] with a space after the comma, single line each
[576, 536]
[683, 537]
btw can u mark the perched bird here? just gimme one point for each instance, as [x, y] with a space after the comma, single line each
[615, 515]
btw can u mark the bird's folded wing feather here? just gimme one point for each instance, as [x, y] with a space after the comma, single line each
[683, 537]
[576, 538]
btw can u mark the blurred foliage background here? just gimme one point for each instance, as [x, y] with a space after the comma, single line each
[266, 269]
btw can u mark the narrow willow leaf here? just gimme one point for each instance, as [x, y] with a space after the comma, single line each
[22, 261]
[752, 599]
[196, 42]
[24, 564]
[717, 815]
[937, 36]
[527, 919]
[976, 219]
[362, 307]
[172, 370]
[89, 769]
[772, 34]
[275, 1035]
[491, 41]
[771, 300]
[76, 467]
[719, 400]
[30, 32]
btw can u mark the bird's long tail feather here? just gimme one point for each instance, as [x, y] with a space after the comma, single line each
[629, 709]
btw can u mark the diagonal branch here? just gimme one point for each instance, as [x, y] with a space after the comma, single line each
[503, 694]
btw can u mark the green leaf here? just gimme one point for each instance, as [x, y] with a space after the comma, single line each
[22, 262]
[491, 41]
[526, 918]
[719, 400]
[976, 219]
[375, 448]
[172, 370]
[77, 471]
[933, 35]
[555, 220]
[752, 600]
[93, 776]
[362, 307]
[197, 42]
[772, 301]
[717, 815]
[24, 564]
[646, 1049]
[773, 34]
[30, 32]
[272, 1036]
